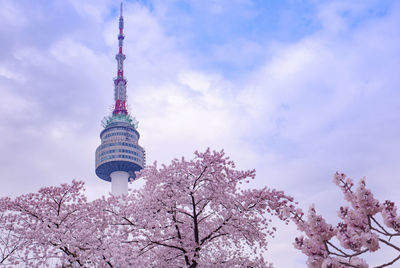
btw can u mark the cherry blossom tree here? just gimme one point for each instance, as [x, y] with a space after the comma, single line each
[10, 242]
[360, 230]
[56, 226]
[196, 214]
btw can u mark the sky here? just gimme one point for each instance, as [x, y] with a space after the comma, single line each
[296, 89]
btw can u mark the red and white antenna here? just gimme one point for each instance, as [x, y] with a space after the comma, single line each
[120, 82]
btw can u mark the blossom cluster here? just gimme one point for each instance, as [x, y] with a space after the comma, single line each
[358, 232]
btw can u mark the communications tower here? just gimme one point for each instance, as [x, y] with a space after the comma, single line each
[119, 155]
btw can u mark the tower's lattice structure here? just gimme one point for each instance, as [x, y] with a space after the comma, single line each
[119, 155]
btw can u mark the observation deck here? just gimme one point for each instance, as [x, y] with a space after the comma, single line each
[119, 149]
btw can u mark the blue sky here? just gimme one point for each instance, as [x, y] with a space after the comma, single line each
[296, 89]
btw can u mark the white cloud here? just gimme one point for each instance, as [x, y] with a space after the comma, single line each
[11, 16]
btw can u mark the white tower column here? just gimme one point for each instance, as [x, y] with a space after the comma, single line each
[119, 182]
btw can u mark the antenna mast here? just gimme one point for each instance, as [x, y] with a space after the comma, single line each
[120, 82]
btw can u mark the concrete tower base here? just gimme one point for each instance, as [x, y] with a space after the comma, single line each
[119, 182]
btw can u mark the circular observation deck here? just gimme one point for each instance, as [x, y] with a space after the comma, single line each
[119, 151]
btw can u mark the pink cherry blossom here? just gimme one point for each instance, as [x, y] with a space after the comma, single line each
[188, 214]
[358, 232]
[194, 214]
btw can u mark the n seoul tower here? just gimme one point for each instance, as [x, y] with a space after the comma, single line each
[119, 155]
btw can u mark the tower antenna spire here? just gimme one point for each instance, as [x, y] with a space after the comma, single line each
[120, 82]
